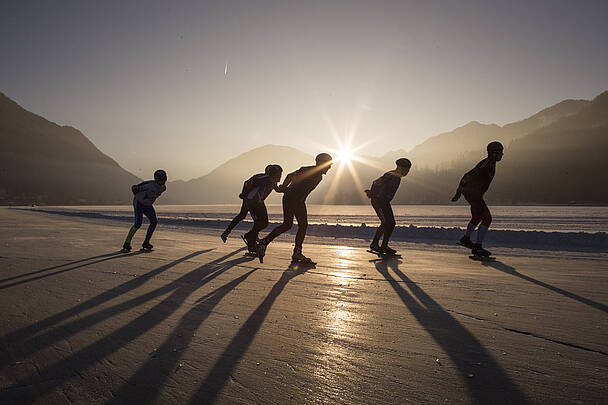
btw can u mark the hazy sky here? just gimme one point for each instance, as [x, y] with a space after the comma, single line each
[146, 82]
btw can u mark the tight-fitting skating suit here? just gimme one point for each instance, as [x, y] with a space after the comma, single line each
[147, 192]
[304, 180]
[381, 193]
[244, 210]
[473, 186]
[255, 191]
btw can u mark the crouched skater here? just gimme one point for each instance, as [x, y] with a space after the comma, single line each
[144, 195]
[381, 193]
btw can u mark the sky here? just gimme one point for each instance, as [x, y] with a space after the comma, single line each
[188, 85]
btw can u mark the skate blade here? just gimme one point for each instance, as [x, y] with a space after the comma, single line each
[482, 258]
[144, 250]
[384, 255]
[302, 264]
[463, 245]
[250, 254]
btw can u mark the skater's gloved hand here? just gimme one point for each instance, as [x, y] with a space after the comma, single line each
[280, 188]
[456, 196]
[134, 189]
[368, 193]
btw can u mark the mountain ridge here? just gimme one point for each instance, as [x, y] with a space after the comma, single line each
[43, 162]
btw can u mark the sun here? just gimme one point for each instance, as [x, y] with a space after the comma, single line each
[345, 155]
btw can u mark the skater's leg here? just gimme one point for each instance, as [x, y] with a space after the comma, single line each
[302, 218]
[380, 231]
[238, 218]
[139, 217]
[259, 213]
[486, 220]
[470, 228]
[150, 213]
[389, 224]
[288, 214]
[477, 209]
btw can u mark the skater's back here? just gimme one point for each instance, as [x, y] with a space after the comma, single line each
[258, 187]
[148, 191]
[385, 187]
[302, 182]
[479, 178]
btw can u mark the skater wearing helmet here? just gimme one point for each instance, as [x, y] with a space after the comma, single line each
[255, 190]
[297, 186]
[381, 193]
[473, 186]
[144, 196]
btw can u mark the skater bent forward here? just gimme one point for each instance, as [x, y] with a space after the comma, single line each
[381, 193]
[473, 186]
[254, 192]
[145, 194]
[297, 186]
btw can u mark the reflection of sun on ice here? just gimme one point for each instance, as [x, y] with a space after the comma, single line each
[343, 259]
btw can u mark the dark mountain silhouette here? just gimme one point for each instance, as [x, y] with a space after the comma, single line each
[224, 183]
[44, 163]
[563, 162]
[446, 147]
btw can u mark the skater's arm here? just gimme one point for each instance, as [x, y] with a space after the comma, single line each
[134, 188]
[286, 183]
[458, 192]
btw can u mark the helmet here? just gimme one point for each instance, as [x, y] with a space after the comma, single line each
[323, 158]
[267, 169]
[161, 175]
[403, 162]
[494, 146]
[273, 169]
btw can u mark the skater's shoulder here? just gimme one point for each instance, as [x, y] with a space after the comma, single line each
[146, 184]
[308, 171]
[486, 163]
[306, 168]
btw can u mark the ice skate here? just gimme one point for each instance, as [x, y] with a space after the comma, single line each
[126, 247]
[299, 259]
[480, 254]
[224, 236]
[374, 248]
[251, 249]
[466, 242]
[387, 250]
[146, 246]
[260, 249]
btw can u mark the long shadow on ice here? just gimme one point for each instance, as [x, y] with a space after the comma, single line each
[120, 252]
[223, 368]
[511, 270]
[106, 257]
[145, 385]
[20, 337]
[31, 387]
[489, 383]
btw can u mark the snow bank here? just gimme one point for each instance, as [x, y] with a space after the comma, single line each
[570, 241]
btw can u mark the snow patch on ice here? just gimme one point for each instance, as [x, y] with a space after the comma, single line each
[568, 241]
